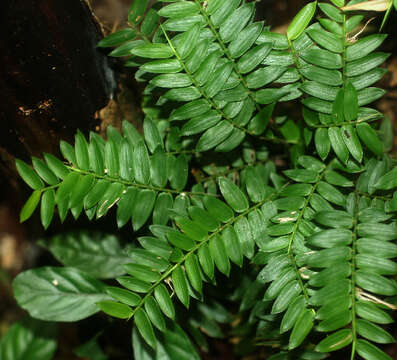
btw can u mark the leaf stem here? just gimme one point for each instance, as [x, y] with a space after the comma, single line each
[202, 243]
[134, 184]
[208, 99]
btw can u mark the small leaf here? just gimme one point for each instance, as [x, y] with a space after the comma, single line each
[370, 138]
[47, 207]
[137, 10]
[335, 341]
[179, 9]
[350, 102]
[218, 253]
[143, 208]
[233, 195]
[164, 300]
[44, 172]
[124, 296]
[145, 328]
[352, 142]
[301, 329]
[206, 261]
[370, 352]
[30, 206]
[179, 282]
[301, 20]
[193, 272]
[338, 144]
[115, 309]
[373, 332]
[142, 272]
[141, 163]
[153, 51]
[117, 38]
[322, 142]
[154, 313]
[56, 166]
[81, 150]
[28, 175]
[387, 181]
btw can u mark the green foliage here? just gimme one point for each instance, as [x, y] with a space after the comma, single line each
[225, 174]
[29, 338]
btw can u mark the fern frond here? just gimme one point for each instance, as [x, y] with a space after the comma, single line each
[208, 238]
[216, 71]
[126, 170]
[337, 71]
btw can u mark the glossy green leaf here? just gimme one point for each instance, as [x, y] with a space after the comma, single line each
[154, 314]
[218, 253]
[144, 326]
[370, 352]
[293, 313]
[233, 195]
[218, 209]
[58, 294]
[370, 138]
[44, 171]
[337, 143]
[331, 11]
[371, 312]
[236, 22]
[142, 272]
[31, 339]
[180, 284]
[301, 328]
[28, 175]
[164, 301]
[301, 20]
[335, 341]
[153, 51]
[192, 268]
[326, 40]
[56, 166]
[179, 9]
[47, 208]
[364, 46]
[30, 206]
[322, 142]
[250, 60]
[373, 332]
[387, 181]
[81, 150]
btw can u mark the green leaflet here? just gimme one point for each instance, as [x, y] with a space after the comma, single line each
[55, 290]
[31, 205]
[301, 20]
[115, 309]
[233, 195]
[36, 338]
[336, 341]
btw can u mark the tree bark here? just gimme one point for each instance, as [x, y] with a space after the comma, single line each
[52, 77]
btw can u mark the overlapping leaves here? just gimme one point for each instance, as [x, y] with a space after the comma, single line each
[127, 170]
[217, 61]
[210, 237]
[321, 267]
[337, 72]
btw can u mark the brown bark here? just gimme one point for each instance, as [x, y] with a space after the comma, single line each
[52, 77]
